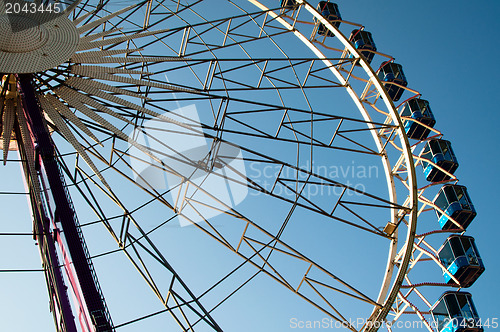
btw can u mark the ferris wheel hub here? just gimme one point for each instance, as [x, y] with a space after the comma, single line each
[20, 34]
[30, 45]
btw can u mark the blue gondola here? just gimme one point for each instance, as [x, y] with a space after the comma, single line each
[330, 11]
[455, 312]
[439, 152]
[461, 258]
[454, 200]
[288, 4]
[393, 72]
[419, 110]
[363, 41]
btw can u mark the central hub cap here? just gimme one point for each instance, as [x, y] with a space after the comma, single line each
[33, 43]
[20, 34]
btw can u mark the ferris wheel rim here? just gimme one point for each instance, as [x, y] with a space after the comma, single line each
[377, 315]
[397, 116]
[392, 251]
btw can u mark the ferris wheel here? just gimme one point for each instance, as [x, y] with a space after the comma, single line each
[230, 165]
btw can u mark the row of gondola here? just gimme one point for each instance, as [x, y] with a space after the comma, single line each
[454, 311]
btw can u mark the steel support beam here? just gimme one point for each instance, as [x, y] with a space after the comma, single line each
[64, 214]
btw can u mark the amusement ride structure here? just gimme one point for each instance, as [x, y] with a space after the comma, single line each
[295, 153]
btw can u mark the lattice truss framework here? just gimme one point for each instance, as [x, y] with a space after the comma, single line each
[133, 74]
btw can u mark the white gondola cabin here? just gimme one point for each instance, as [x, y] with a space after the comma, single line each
[440, 153]
[460, 257]
[418, 110]
[393, 74]
[330, 11]
[455, 202]
[455, 312]
[363, 41]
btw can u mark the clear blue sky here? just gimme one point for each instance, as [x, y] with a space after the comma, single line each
[448, 50]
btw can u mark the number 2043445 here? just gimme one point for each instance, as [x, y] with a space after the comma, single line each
[32, 8]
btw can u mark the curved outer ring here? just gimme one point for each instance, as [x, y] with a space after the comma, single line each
[377, 315]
